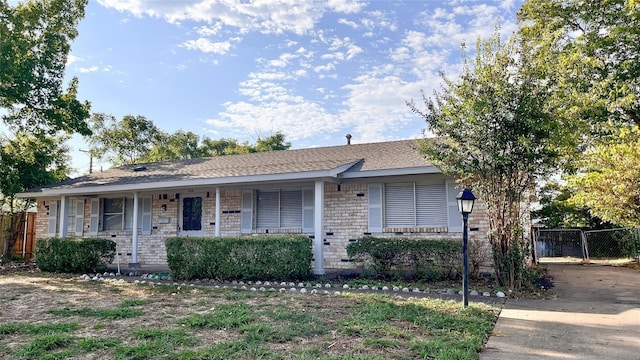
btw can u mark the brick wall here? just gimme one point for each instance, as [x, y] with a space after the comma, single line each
[345, 220]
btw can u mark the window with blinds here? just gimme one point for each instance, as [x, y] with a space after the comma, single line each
[415, 204]
[279, 209]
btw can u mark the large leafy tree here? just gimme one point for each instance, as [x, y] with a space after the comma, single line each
[590, 50]
[35, 39]
[27, 162]
[609, 182]
[177, 146]
[136, 139]
[494, 133]
[125, 141]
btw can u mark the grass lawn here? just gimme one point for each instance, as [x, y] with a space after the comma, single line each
[43, 316]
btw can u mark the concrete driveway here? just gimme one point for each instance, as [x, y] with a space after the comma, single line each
[595, 314]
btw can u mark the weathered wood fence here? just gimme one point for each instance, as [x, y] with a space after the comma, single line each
[17, 235]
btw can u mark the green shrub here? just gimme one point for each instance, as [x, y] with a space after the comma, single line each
[74, 255]
[246, 258]
[393, 258]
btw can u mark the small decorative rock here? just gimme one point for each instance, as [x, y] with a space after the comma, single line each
[405, 289]
[272, 289]
[234, 282]
[131, 274]
[95, 278]
[216, 286]
[303, 291]
[283, 284]
[300, 284]
[500, 294]
[473, 293]
[416, 290]
[486, 293]
[365, 287]
[374, 288]
[449, 292]
[336, 293]
[396, 289]
[258, 282]
[136, 281]
[327, 285]
[460, 292]
[318, 285]
[292, 284]
[267, 283]
[314, 291]
[241, 283]
[325, 292]
[345, 286]
[385, 288]
[282, 290]
[293, 289]
[263, 289]
[243, 287]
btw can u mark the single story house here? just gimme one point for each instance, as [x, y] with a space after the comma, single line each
[333, 194]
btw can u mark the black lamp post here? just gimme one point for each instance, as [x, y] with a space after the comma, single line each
[465, 207]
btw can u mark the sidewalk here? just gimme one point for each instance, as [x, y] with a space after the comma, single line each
[595, 315]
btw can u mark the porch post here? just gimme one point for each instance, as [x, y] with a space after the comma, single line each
[134, 236]
[318, 240]
[64, 216]
[218, 212]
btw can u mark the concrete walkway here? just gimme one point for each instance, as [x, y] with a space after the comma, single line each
[595, 314]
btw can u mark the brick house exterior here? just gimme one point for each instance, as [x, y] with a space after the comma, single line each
[381, 189]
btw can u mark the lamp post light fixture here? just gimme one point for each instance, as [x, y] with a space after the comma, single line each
[465, 207]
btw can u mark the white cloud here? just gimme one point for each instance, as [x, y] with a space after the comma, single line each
[86, 70]
[72, 58]
[266, 16]
[349, 23]
[208, 46]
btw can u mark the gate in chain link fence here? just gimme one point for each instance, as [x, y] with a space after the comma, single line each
[577, 245]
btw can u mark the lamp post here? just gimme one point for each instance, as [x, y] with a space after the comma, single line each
[465, 207]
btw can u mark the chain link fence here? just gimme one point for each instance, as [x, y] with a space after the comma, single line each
[608, 245]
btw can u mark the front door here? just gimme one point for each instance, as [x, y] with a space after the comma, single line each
[191, 215]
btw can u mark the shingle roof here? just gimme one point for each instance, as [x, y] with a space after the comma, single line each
[354, 160]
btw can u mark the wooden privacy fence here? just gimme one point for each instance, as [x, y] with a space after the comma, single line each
[17, 234]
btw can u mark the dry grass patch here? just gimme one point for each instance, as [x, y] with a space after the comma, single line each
[50, 317]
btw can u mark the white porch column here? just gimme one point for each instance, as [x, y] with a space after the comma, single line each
[134, 236]
[218, 213]
[64, 216]
[318, 240]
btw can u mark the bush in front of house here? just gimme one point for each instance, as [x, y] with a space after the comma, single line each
[395, 258]
[242, 258]
[74, 255]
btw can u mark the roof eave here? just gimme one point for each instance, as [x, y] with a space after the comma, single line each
[391, 172]
[230, 180]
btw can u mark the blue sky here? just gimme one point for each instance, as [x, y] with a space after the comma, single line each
[313, 69]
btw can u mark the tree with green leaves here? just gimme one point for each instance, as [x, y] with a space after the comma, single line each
[27, 162]
[590, 51]
[35, 39]
[177, 146]
[558, 211]
[609, 182]
[272, 143]
[495, 134]
[136, 139]
[125, 141]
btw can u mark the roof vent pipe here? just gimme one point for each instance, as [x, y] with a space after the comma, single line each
[348, 139]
